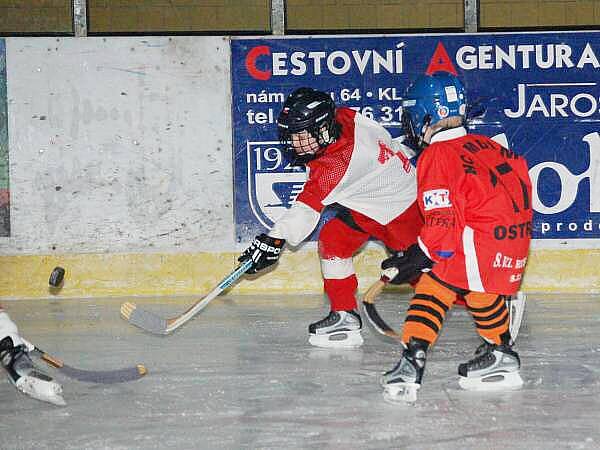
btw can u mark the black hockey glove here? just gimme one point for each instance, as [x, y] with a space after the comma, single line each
[264, 251]
[400, 269]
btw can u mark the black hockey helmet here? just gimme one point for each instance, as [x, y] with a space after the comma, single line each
[311, 111]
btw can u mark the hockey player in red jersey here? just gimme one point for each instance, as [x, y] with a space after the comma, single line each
[354, 167]
[475, 196]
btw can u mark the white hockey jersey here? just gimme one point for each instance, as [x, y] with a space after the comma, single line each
[361, 171]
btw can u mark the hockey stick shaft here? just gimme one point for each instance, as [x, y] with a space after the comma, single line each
[90, 376]
[374, 291]
[153, 323]
[200, 305]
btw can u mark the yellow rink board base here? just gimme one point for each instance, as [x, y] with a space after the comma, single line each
[123, 275]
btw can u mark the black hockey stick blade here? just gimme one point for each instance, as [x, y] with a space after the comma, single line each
[93, 376]
[378, 324]
[373, 317]
[103, 376]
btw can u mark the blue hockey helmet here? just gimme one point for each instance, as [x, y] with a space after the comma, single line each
[429, 99]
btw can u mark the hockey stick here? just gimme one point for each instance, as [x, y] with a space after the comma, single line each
[516, 310]
[153, 323]
[373, 317]
[90, 376]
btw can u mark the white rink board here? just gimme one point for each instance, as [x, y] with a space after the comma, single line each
[120, 144]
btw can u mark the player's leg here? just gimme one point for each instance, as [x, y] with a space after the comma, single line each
[341, 328]
[26, 377]
[427, 310]
[495, 365]
[423, 323]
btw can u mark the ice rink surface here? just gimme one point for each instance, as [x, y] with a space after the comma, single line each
[242, 375]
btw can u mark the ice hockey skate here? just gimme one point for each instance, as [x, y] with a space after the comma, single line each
[484, 347]
[404, 380]
[494, 368]
[26, 377]
[340, 329]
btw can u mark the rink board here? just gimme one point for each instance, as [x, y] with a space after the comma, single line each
[139, 185]
[92, 275]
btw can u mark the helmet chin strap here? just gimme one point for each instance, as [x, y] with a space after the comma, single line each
[302, 160]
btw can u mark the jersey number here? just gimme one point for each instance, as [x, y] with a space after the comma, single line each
[504, 169]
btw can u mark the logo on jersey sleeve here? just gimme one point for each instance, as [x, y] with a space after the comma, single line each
[436, 198]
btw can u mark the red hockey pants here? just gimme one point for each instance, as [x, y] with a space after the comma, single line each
[338, 242]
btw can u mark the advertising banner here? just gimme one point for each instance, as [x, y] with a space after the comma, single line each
[536, 92]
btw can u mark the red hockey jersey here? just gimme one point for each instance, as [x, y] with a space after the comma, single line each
[475, 196]
[363, 170]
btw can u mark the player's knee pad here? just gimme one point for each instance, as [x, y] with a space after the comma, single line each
[337, 268]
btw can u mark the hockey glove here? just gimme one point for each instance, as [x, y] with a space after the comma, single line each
[264, 252]
[402, 268]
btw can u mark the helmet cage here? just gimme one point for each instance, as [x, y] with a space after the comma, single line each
[322, 132]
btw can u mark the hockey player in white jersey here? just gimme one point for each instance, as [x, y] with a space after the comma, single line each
[26, 377]
[354, 167]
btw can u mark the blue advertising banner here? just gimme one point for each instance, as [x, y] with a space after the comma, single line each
[536, 92]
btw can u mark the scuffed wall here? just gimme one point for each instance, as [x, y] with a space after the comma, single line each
[119, 145]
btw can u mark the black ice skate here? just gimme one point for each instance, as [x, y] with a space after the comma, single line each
[340, 329]
[404, 380]
[25, 376]
[484, 347]
[494, 368]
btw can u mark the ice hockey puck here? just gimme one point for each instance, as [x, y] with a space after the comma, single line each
[56, 277]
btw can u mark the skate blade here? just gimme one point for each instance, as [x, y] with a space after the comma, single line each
[401, 393]
[346, 339]
[494, 382]
[43, 391]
